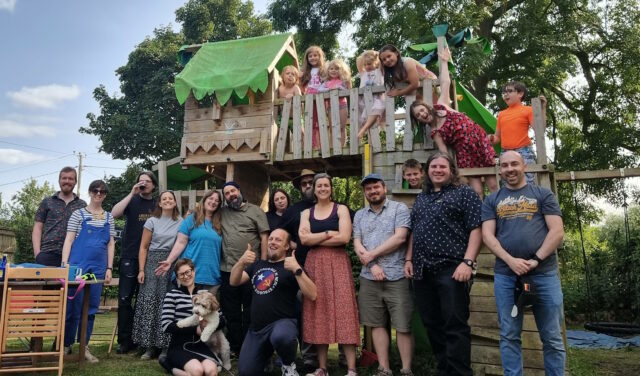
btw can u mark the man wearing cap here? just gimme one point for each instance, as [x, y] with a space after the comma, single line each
[379, 239]
[522, 226]
[243, 224]
[441, 256]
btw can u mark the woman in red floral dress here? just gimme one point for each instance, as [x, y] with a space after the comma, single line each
[452, 128]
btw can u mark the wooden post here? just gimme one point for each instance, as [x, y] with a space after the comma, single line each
[336, 126]
[390, 119]
[162, 175]
[297, 128]
[284, 129]
[407, 144]
[354, 122]
[427, 97]
[192, 199]
[230, 172]
[541, 147]
[322, 124]
[308, 125]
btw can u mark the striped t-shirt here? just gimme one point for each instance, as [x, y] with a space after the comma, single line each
[75, 221]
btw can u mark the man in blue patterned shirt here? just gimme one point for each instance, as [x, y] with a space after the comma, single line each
[443, 247]
[379, 240]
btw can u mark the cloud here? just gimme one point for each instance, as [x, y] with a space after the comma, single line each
[10, 128]
[13, 157]
[48, 96]
[7, 5]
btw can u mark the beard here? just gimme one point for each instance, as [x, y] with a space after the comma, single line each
[308, 194]
[235, 203]
[273, 255]
[379, 201]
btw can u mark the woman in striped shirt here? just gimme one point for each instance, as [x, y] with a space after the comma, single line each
[178, 305]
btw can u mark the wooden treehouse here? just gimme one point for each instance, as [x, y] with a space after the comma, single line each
[235, 128]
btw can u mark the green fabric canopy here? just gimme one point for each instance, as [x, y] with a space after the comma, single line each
[232, 66]
[472, 107]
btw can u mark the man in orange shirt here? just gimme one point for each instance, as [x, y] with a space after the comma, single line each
[512, 130]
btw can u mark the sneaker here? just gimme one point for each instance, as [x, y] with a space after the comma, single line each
[163, 355]
[289, 370]
[406, 372]
[352, 372]
[66, 350]
[319, 372]
[383, 372]
[148, 354]
[89, 357]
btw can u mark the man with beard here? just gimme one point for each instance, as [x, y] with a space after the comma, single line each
[242, 224]
[522, 226]
[50, 226]
[379, 240]
[275, 284]
[136, 207]
[441, 258]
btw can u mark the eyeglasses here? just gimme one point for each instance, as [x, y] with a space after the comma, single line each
[97, 191]
[306, 183]
[185, 274]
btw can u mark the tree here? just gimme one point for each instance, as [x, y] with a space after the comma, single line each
[146, 121]
[24, 205]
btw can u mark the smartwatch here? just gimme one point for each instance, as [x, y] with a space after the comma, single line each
[298, 272]
[538, 259]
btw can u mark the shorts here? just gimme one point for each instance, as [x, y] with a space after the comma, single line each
[379, 301]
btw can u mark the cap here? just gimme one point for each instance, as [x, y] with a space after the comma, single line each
[232, 183]
[371, 178]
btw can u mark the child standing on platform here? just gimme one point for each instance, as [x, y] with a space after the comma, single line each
[370, 75]
[512, 130]
[311, 79]
[289, 82]
[338, 77]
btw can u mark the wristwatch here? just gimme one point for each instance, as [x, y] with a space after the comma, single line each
[470, 263]
[538, 259]
[298, 272]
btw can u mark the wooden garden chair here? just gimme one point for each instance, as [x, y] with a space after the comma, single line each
[30, 311]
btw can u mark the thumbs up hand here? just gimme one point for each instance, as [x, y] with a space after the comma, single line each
[290, 263]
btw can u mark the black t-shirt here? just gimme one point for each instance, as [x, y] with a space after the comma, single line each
[135, 214]
[274, 293]
[291, 222]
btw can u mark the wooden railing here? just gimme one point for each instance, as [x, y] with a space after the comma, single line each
[331, 143]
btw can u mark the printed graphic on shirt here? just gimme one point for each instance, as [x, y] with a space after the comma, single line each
[264, 281]
[142, 217]
[521, 207]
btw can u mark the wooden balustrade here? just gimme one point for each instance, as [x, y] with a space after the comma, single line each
[299, 111]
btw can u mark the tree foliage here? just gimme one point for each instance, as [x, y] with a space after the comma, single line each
[145, 121]
[22, 209]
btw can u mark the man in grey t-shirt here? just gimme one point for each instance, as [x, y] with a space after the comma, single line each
[242, 223]
[522, 226]
[379, 240]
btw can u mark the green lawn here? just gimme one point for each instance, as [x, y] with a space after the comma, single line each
[581, 362]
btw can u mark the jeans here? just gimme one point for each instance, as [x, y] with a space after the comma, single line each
[547, 310]
[529, 157]
[127, 289]
[258, 346]
[443, 304]
[236, 308]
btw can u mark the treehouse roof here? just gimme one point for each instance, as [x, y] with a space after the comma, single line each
[232, 66]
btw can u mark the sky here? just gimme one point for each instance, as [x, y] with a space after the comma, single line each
[54, 54]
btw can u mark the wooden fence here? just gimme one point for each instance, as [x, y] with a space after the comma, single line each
[301, 108]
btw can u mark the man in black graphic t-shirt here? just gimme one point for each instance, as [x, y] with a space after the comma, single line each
[275, 283]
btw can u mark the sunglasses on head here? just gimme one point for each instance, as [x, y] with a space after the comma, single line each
[97, 191]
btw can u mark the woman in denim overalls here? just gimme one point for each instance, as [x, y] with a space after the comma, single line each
[89, 245]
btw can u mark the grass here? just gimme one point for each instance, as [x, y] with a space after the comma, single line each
[581, 362]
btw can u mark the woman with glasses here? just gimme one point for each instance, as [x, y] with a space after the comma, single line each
[199, 240]
[187, 355]
[89, 245]
[158, 237]
[450, 128]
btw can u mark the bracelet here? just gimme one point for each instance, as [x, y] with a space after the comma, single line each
[407, 261]
[110, 268]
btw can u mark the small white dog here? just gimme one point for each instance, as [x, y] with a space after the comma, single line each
[205, 307]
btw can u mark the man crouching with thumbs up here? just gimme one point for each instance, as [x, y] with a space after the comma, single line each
[275, 283]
